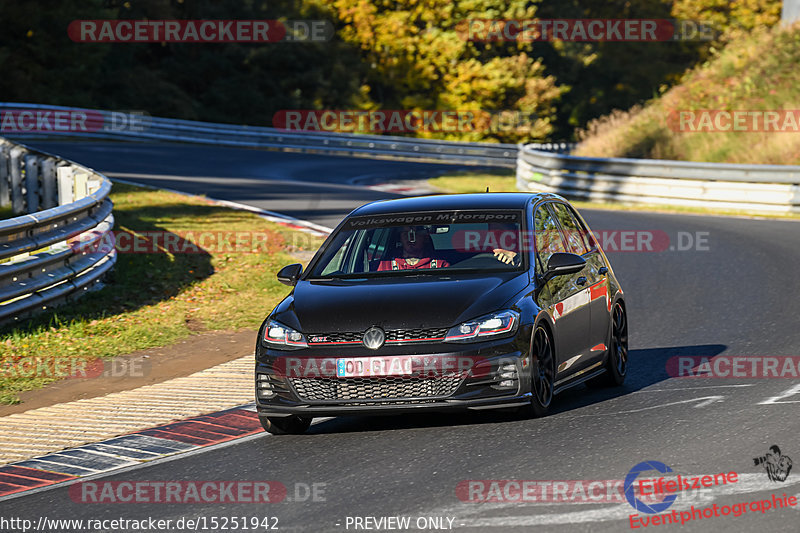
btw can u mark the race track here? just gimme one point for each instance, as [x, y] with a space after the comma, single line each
[737, 295]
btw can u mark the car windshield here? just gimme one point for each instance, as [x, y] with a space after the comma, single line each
[428, 243]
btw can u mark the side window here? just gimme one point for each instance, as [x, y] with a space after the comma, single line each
[548, 237]
[377, 243]
[577, 240]
[337, 262]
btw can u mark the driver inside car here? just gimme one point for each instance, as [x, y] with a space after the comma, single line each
[416, 252]
[505, 234]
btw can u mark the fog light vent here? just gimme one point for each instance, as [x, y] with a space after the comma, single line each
[507, 377]
[264, 388]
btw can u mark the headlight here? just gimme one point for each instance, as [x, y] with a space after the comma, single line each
[498, 324]
[283, 336]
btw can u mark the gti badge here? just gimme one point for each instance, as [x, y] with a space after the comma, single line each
[374, 338]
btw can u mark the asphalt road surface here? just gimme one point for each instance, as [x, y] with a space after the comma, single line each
[722, 286]
[318, 188]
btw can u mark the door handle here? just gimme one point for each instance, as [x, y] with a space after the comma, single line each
[603, 270]
[581, 280]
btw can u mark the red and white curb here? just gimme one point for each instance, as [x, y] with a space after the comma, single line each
[405, 188]
[129, 450]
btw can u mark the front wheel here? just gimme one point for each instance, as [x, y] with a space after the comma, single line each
[542, 373]
[285, 425]
[617, 361]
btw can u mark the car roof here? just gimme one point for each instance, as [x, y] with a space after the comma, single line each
[453, 202]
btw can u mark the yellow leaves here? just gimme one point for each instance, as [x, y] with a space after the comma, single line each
[417, 52]
[725, 16]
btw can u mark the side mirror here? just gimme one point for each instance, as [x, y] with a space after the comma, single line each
[561, 263]
[289, 274]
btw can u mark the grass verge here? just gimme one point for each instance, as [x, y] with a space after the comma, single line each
[155, 299]
[505, 181]
[755, 74]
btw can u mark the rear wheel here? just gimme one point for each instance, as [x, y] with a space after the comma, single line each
[617, 361]
[285, 425]
[542, 372]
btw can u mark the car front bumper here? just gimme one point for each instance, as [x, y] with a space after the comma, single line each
[393, 407]
[488, 384]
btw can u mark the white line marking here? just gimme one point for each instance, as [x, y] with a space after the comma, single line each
[136, 441]
[112, 451]
[709, 400]
[54, 465]
[269, 215]
[100, 453]
[785, 394]
[691, 388]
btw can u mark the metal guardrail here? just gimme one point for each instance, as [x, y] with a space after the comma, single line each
[752, 188]
[130, 126]
[539, 167]
[40, 265]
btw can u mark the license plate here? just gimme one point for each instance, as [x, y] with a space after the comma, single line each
[373, 366]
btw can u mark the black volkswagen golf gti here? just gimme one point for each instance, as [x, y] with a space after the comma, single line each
[469, 301]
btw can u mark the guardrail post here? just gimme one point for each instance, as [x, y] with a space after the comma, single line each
[72, 185]
[32, 182]
[66, 190]
[80, 184]
[794, 203]
[5, 197]
[47, 174]
[15, 182]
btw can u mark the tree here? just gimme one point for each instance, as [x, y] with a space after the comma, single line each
[419, 57]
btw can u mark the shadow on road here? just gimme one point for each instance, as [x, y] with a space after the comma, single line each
[648, 367]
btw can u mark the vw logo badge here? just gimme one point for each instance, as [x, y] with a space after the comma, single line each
[374, 338]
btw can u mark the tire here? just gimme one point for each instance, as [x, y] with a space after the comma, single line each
[542, 372]
[285, 425]
[617, 354]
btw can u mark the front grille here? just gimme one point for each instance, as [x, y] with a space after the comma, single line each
[374, 388]
[335, 338]
[397, 336]
[403, 335]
